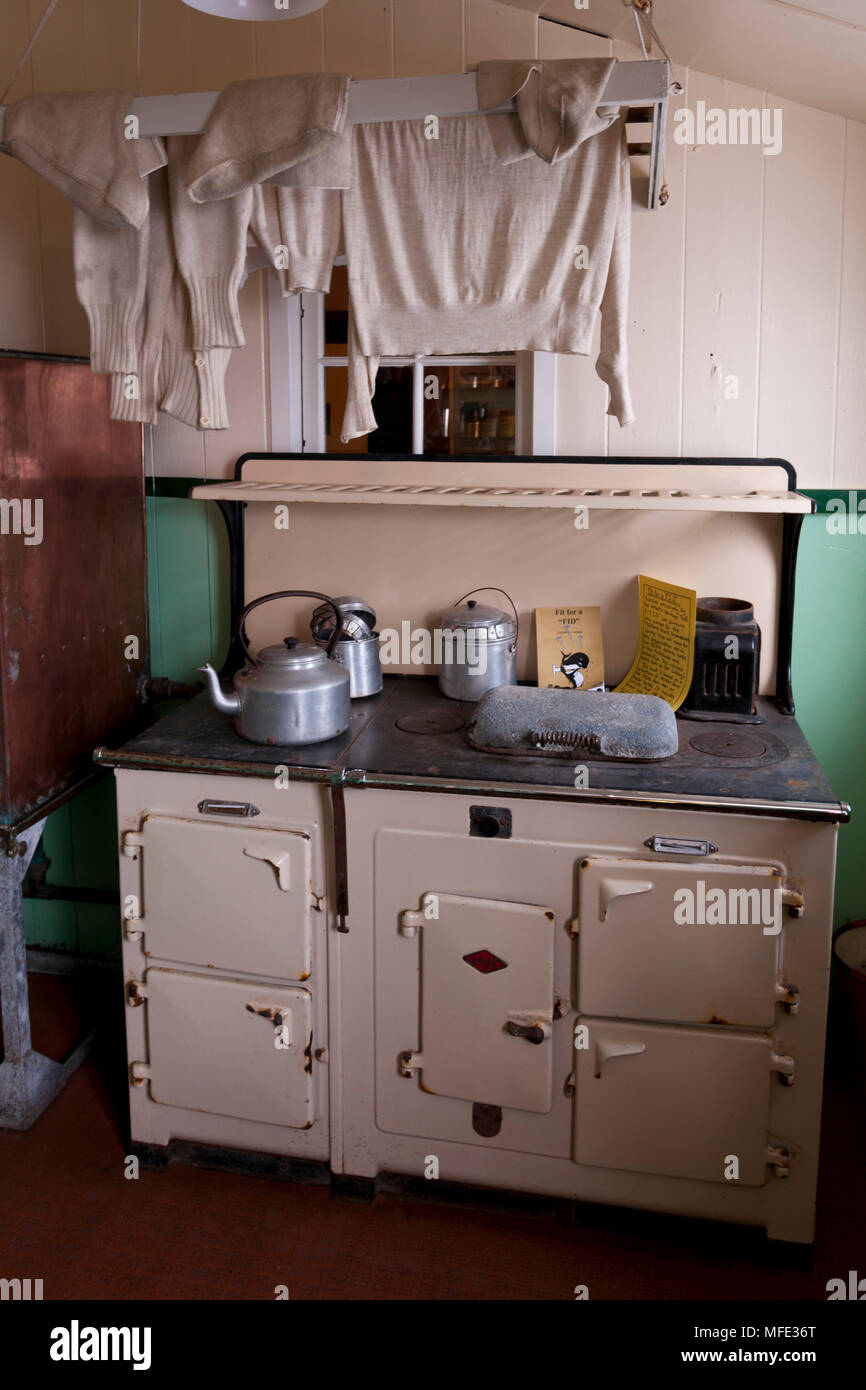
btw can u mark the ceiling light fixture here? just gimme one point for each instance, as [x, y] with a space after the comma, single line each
[256, 9]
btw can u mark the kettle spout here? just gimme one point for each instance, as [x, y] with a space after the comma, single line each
[226, 704]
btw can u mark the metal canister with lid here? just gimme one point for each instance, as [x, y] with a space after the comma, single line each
[357, 646]
[479, 647]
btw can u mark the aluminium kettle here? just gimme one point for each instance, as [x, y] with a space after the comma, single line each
[289, 693]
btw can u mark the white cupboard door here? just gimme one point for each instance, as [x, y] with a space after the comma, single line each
[691, 943]
[686, 1102]
[487, 1001]
[232, 897]
[230, 1047]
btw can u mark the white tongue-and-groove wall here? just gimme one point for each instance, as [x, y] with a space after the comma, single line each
[748, 299]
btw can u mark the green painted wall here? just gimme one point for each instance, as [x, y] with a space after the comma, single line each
[829, 678]
[188, 568]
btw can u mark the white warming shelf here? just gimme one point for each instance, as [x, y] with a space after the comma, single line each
[447, 494]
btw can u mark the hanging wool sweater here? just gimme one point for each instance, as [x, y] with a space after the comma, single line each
[168, 374]
[162, 299]
[466, 243]
[210, 242]
[80, 143]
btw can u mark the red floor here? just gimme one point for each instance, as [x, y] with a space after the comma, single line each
[69, 1217]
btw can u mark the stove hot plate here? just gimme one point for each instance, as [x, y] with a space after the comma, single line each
[736, 748]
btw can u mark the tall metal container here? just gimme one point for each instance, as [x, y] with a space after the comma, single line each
[74, 656]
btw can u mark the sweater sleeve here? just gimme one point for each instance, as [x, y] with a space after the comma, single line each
[612, 362]
[110, 281]
[210, 242]
[191, 384]
[358, 417]
[299, 230]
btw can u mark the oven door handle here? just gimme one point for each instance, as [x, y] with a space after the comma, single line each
[532, 1032]
[279, 860]
[608, 1048]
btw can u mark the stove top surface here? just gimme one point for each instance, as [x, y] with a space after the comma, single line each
[411, 734]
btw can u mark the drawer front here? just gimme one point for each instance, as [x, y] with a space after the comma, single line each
[234, 897]
[679, 942]
[230, 1047]
[678, 1101]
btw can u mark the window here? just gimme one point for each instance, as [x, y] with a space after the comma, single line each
[435, 406]
[424, 405]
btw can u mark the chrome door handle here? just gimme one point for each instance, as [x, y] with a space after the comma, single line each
[213, 807]
[667, 844]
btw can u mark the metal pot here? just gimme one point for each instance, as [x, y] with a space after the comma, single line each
[290, 693]
[479, 648]
[360, 656]
[357, 646]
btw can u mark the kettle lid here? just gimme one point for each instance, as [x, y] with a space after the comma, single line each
[290, 654]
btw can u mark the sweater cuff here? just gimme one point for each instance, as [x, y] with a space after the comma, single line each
[306, 275]
[193, 386]
[133, 398]
[358, 419]
[113, 335]
[620, 406]
[216, 320]
[615, 377]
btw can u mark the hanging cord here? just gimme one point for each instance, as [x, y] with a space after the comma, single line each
[638, 26]
[642, 9]
[49, 10]
[138, 53]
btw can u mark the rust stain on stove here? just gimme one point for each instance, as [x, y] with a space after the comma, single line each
[271, 1011]
[308, 1056]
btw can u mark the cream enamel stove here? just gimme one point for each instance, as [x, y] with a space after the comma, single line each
[402, 946]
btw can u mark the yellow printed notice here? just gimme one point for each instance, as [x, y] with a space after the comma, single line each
[666, 642]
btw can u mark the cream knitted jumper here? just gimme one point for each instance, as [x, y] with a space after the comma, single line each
[146, 316]
[78, 142]
[210, 242]
[451, 250]
[162, 300]
[161, 371]
[168, 374]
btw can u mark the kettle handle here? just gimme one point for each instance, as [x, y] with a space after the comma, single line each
[287, 593]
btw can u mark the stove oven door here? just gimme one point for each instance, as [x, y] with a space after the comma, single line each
[685, 1102]
[231, 897]
[690, 943]
[229, 1047]
[486, 1001]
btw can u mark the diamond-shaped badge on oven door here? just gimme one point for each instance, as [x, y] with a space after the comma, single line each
[485, 962]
